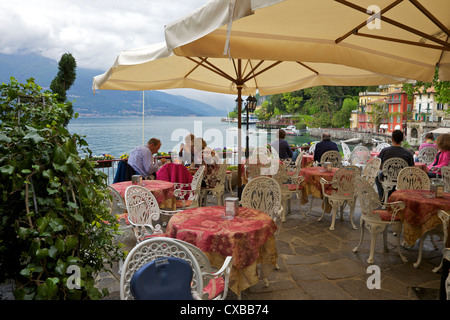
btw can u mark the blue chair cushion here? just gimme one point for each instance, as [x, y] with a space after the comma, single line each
[167, 278]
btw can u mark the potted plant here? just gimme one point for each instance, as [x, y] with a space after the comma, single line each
[103, 161]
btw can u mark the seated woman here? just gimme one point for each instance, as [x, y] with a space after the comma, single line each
[442, 157]
[429, 141]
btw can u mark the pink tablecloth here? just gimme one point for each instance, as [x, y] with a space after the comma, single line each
[162, 190]
[174, 172]
[248, 238]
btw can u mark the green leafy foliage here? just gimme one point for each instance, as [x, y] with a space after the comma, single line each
[52, 209]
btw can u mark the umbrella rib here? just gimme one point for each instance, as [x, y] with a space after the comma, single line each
[251, 66]
[211, 68]
[262, 71]
[428, 14]
[309, 68]
[392, 5]
[397, 24]
[253, 69]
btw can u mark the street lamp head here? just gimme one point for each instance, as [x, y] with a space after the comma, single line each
[251, 103]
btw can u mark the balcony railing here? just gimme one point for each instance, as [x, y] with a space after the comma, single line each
[109, 167]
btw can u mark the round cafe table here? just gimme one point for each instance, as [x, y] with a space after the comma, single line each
[422, 166]
[420, 213]
[248, 238]
[311, 183]
[162, 190]
[307, 160]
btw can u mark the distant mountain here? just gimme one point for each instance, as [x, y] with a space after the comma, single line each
[103, 102]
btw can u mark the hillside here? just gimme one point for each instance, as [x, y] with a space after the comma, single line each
[103, 102]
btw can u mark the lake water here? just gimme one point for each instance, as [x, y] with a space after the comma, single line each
[117, 136]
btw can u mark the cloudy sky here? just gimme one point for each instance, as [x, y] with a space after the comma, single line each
[94, 31]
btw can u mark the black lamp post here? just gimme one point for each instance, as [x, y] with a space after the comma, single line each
[250, 106]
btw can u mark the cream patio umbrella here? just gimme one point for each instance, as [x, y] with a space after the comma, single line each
[155, 67]
[409, 40]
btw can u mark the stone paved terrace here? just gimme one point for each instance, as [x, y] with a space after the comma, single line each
[319, 264]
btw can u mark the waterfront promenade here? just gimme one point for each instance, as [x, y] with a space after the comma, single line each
[318, 264]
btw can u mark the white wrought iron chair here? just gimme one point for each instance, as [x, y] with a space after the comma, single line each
[312, 148]
[413, 178]
[376, 219]
[342, 192]
[262, 162]
[381, 146]
[439, 231]
[371, 170]
[214, 176]
[187, 196]
[204, 279]
[389, 174]
[331, 156]
[143, 212]
[117, 204]
[445, 173]
[263, 194]
[288, 188]
[446, 278]
[360, 156]
[445, 218]
[427, 155]
[118, 209]
[347, 152]
[294, 170]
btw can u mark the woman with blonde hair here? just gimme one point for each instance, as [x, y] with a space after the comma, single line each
[442, 158]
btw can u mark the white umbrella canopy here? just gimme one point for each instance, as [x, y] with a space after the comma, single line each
[155, 67]
[409, 41]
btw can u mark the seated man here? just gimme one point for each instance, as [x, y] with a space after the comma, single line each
[323, 146]
[394, 151]
[282, 146]
[141, 159]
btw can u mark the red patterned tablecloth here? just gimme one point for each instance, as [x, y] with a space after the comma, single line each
[311, 183]
[307, 160]
[422, 166]
[248, 238]
[420, 213]
[162, 190]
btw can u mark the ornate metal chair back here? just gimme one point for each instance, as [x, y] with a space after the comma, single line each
[371, 170]
[360, 156]
[332, 156]
[413, 178]
[381, 146]
[427, 155]
[263, 194]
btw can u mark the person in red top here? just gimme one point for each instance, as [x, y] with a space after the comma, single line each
[442, 157]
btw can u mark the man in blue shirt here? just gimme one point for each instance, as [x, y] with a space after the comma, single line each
[141, 158]
[282, 146]
[325, 145]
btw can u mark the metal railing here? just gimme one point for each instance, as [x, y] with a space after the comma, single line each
[109, 167]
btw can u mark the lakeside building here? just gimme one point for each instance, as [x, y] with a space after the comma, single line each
[361, 117]
[390, 109]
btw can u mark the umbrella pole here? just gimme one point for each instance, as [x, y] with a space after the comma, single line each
[239, 89]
